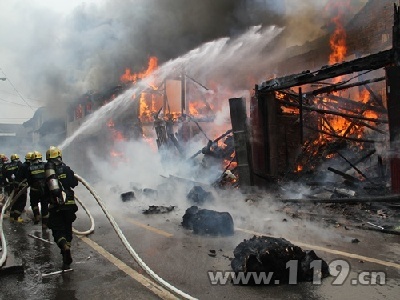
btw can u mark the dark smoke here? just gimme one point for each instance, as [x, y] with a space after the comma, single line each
[90, 49]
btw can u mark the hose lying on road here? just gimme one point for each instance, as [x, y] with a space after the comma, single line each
[129, 247]
[3, 238]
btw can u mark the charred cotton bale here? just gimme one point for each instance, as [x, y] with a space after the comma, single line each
[205, 221]
[127, 196]
[272, 256]
[199, 196]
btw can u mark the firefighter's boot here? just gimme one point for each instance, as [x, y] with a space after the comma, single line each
[67, 258]
[36, 216]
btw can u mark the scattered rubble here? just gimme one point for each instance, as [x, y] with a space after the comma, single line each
[157, 209]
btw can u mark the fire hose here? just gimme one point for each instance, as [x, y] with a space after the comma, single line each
[10, 202]
[11, 199]
[132, 252]
[3, 238]
[91, 230]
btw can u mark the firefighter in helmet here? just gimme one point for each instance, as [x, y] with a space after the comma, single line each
[36, 180]
[10, 171]
[22, 174]
[60, 181]
[3, 160]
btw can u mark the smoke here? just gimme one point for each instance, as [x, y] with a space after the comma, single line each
[57, 57]
[210, 58]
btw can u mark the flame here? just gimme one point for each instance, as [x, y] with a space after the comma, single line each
[193, 108]
[134, 77]
[338, 42]
[117, 136]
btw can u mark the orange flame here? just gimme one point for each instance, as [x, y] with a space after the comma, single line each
[133, 77]
[338, 42]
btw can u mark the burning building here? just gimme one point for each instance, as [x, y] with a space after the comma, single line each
[178, 99]
[300, 121]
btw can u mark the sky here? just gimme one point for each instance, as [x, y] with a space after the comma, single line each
[20, 24]
[53, 51]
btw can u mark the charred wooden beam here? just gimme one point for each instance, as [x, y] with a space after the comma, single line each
[329, 125]
[357, 104]
[348, 102]
[340, 86]
[342, 137]
[370, 62]
[353, 166]
[361, 159]
[301, 116]
[241, 137]
[344, 175]
[333, 112]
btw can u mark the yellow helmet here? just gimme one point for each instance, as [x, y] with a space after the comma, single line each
[37, 154]
[29, 156]
[3, 157]
[14, 157]
[53, 152]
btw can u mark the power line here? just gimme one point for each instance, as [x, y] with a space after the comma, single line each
[16, 95]
[15, 89]
[9, 102]
[14, 119]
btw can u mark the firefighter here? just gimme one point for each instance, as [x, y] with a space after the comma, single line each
[36, 180]
[22, 175]
[2, 194]
[10, 171]
[60, 181]
[3, 160]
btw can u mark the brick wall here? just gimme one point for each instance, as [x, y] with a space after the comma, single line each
[370, 31]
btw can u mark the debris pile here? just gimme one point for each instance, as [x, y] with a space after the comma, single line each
[205, 221]
[199, 196]
[158, 209]
[268, 254]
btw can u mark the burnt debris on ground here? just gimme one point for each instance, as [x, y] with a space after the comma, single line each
[208, 222]
[158, 209]
[199, 196]
[271, 255]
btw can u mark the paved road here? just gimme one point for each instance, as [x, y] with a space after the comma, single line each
[104, 269]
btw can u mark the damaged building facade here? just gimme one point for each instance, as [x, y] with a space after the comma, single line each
[344, 109]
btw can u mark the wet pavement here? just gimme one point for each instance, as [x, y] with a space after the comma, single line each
[103, 268]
